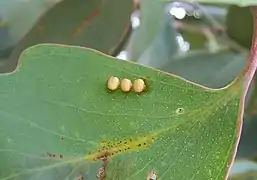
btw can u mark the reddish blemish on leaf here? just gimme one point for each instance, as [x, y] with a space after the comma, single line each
[41, 29]
[83, 24]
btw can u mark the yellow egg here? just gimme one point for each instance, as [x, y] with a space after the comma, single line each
[125, 85]
[139, 85]
[113, 83]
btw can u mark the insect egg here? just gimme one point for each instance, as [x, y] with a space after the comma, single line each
[113, 83]
[139, 85]
[126, 85]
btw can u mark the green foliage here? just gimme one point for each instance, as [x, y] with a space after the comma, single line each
[214, 70]
[68, 111]
[239, 25]
[84, 24]
[77, 22]
[153, 42]
[237, 2]
[252, 175]
[56, 113]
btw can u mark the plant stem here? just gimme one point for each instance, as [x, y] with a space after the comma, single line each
[251, 65]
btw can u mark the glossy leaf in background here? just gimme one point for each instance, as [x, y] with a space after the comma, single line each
[247, 145]
[252, 175]
[237, 2]
[174, 125]
[154, 41]
[99, 24]
[149, 26]
[214, 70]
[243, 169]
[20, 16]
[239, 24]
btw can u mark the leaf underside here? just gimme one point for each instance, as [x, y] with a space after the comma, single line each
[55, 112]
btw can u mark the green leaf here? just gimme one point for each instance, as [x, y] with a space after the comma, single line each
[56, 102]
[197, 40]
[247, 147]
[239, 23]
[97, 24]
[213, 70]
[163, 46]
[150, 23]
[241, 166]
[155, 34]
[20, 17]
[237, 2]
[251, 109]
[251, 174]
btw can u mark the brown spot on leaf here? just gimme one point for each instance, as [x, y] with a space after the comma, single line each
[152, 176]
[102, 170]
[80, 177]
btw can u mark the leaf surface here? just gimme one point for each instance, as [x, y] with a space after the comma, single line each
[57, 118]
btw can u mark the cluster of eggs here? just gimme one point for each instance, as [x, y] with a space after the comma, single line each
[125, 84]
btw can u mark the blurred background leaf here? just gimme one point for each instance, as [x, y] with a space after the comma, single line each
[154, 41]
[251, 175]
[214, 70]
[237, 2]
[149, 25]
[99, 24]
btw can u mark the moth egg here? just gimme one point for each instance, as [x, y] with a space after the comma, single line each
[139, 85]
[113, 83]
[125, 85]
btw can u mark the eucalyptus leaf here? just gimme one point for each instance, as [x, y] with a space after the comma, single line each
[164, 46]
[150, 25]
[154, 41]
[241, 166]
[56, 115]
[252, 175]
[97, 24]
[247, 147]
[214, 70]
[237, 2]
[239, 25]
